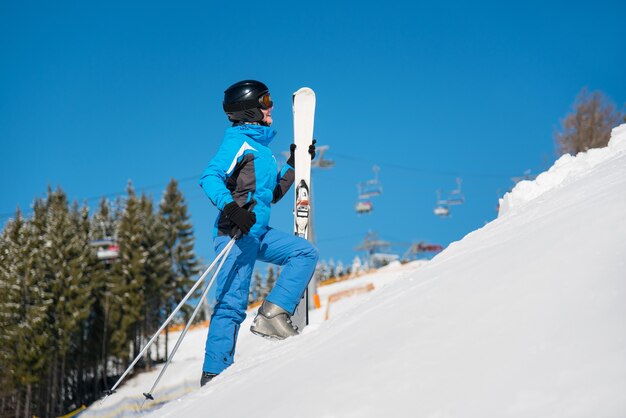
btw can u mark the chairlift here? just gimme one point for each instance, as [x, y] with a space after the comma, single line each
[442, 211]
[440, 201]
[364, 207]
[106, 249]
[456, 201]
[456, 196]
[458, 186]
[371, 188]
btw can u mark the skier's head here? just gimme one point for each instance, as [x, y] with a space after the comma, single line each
[248, 101]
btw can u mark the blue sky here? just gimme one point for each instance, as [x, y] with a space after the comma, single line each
[93, 94]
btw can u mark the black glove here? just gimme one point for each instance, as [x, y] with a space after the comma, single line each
[290, 160]
[292, 149]
[312, 148]
[240, 217]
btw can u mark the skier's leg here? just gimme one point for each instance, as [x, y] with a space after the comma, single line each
[231, 292]
[298, 257]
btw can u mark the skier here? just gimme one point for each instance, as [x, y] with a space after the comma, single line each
[242, 181]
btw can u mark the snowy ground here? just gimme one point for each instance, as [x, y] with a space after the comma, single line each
[183, 374]
[525, 317]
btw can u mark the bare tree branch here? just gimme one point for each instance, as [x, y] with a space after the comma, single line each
[589, 125]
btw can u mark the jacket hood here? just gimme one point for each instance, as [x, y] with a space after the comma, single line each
[261, 134]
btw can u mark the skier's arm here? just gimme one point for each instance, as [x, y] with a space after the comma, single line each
[284, 181]
[214, 177]
[287, 175]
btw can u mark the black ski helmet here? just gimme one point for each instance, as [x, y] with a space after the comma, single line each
[242, 101]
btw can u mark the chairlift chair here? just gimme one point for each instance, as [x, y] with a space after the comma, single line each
[364, 207]
[442, 211]
[106, 249]
[456, 201]
[371, 188]
[440, 201]
[456, 196]
[458, 186]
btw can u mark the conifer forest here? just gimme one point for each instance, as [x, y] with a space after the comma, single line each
[82, 290]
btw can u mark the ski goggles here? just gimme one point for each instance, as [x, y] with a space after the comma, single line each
[266, 101]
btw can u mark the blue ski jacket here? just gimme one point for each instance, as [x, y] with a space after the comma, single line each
[244, 170]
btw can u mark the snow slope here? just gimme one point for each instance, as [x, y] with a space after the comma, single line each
[525, 317]
[183, 374]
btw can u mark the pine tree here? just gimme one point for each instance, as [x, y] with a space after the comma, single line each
[256, 292]
[9, 299]
[179, 246]
[127, 296]
[24, 343]
[37, 264]
[331, 268]
[323, 271]
[339, 269]
[87, 274]
[22, 317]
[156, 269]
[103, 223]
[179, 239]
[100, 326]
[66, 277]
[270, 280]
[357, 265]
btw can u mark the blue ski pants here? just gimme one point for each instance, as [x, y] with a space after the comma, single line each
[298, 259]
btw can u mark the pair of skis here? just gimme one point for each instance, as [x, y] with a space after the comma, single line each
[303, 118]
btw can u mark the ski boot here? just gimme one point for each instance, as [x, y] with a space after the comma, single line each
[206, 378]
[273, 322]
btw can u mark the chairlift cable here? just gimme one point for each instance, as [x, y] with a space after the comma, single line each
[424, 170]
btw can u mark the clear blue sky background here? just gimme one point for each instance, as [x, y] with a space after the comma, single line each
[93, 94]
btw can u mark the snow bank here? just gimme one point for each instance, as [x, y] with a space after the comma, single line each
[564, 171]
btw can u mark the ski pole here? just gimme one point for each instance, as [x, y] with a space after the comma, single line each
[148, 395]
[169, 319]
